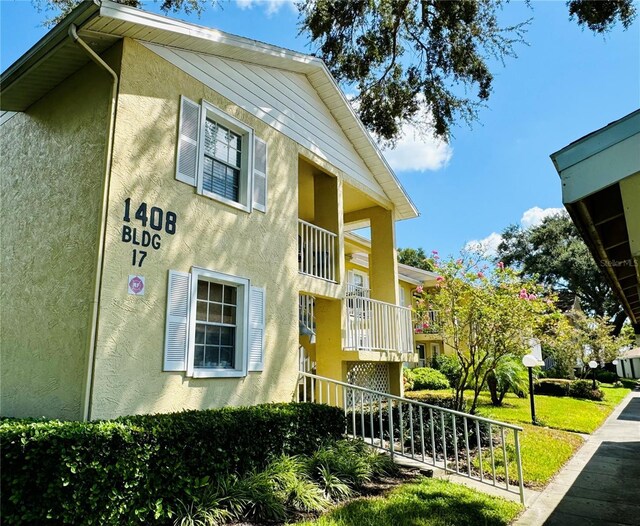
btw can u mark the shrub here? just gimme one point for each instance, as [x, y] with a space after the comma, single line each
[584, 389]
[440, 399]
[449, 366]
[134, 469]
[552, 387]
[407, 379]
[607, 377]
[428, 378]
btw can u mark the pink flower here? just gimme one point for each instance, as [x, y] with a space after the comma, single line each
[532, 297]
[439, 279]
[425, 325]
[434, 252]
[523, 294]
[418, 331]
[419, 289]
[480, 275]
[458, 262]
[501, 265]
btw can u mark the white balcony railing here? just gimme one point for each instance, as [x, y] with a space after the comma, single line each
[306, 315]
[372, 325]
[316, 251]
[429, 324]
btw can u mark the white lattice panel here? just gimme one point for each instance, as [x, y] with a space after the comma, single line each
[370, 375]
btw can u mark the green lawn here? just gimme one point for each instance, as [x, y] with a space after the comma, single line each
[427, 502]
[568, 414]
[547, 447]
[544, 451]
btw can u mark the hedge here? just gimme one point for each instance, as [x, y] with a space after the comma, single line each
[428, 378]
[552, 387]
[133, 470]
[584, 389]
[573, 388]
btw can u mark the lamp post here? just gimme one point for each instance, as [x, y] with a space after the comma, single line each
[530, 361]
[593, 364]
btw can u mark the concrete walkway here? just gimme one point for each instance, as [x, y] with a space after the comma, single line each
[600, 485]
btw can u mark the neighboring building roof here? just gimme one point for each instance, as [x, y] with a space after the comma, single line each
[631, 353]
[406, 273]
[102, 23]
[600, 176]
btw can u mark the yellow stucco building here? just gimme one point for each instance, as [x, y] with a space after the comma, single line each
[174, 200]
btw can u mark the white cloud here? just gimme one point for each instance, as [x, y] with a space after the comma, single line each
[270, 6]
[487, 246]
[417, 152]
[534, 216]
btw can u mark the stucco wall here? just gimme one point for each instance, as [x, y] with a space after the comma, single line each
[51, 187]
[261, 247]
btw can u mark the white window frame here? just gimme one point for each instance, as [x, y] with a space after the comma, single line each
[243, 286]
[245, 187]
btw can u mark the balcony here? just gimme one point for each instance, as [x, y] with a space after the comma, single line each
[429, 324]
[372, 325]
[317, 249]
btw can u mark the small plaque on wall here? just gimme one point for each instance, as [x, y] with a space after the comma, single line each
[136, 285]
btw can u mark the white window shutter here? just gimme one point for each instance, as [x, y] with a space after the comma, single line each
[260, 174]
[256, 328]
[188, 133]
[350, 278]
[402, 297]
[177, 328]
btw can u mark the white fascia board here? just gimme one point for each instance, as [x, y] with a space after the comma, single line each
[596, 172]
[125, 13]
[405, 208]
[597, 141]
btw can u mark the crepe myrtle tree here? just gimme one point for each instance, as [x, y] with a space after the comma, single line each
[485, 315]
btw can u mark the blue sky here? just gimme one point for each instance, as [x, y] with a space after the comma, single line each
[566, 83]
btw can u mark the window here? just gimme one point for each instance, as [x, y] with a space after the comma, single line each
[215, 324]
[220, 156]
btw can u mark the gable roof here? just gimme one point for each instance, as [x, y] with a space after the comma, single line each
[102, 23]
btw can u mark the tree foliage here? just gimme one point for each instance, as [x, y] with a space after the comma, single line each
[600, 16]
[578, 339]
[415, 257]
[486, 317]
[407, 60]
[554, 254]
[425, 62]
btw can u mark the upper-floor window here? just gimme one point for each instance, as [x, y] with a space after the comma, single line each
[221, 157]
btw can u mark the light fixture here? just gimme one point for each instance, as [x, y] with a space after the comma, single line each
[530, 361]
[593, 364]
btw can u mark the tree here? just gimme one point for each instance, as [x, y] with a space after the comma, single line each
[578, 339]
[411, 61]
[555, 255]
[415, 257]
[485, 318]
[509, 375]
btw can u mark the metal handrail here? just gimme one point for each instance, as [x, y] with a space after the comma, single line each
[401, 399]
[397, 437]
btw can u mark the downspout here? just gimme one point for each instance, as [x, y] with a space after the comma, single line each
[88, 396]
